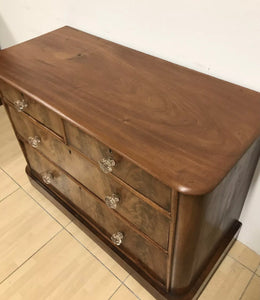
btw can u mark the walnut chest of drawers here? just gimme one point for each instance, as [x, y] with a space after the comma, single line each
[154, 159]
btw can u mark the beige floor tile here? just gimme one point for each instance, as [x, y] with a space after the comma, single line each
[9, 150]
[62, 269]
[75, 229]
[136, 287]
[9, 146]
[245, 255]
[11, 156]
[258, 271]
[55, 209]
[16, 169]
[4, 121]
[253, 290]
[24, 228]
[123, 293]
[7, 185]
[228, 282]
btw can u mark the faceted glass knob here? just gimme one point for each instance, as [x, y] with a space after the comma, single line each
[34, 141]
[20, 105]
[112, 201]
[47, 177]
[107, 164]
[117, 238]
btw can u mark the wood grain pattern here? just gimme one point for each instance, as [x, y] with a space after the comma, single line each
[34, 109]
[204, 221]
[146, 218]
[136, 246]
[158, 291]
[186, 143]
[157, 114]
[124, 169]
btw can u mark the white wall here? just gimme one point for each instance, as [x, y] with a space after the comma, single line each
[21, 20]
[220, 38]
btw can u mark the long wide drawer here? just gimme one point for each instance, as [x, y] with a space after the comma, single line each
[123, 168]
[144, 216]
[23, 103]
[136, 246]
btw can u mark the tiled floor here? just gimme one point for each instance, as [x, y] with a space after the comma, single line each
[44, 254]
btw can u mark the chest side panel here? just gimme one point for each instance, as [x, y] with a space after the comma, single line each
[204, 221]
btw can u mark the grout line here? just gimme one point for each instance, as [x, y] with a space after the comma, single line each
[32, 255]
[126, 277]
[115, 291]
[124, 284]
[240, 298]
[258, 267]
[64, 228]
[129, 287]
[68, 223]
[93, 254]
[133, 291]
[46, 209]
[34, 199]
[242, 264]
[9, 194]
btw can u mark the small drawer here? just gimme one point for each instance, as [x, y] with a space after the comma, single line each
[121, 167]
[23, 103]
[136, 246]
[145, 217]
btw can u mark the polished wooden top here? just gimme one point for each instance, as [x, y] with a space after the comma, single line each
[184, 127]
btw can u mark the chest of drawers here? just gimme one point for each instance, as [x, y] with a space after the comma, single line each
[154, 159]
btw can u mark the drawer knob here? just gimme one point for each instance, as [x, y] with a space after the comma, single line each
[20, 105]
[117, 238]
[47, 177]
[34, 141]
[112, 201]
[107, 164]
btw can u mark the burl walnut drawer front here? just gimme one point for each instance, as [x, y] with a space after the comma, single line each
[96, 210]
[111, 161]
[184, 149]
[23, 103]
[146, 218]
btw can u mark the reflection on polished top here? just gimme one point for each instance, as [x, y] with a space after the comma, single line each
[185, 128]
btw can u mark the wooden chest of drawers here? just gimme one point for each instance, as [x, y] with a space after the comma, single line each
[155, 159]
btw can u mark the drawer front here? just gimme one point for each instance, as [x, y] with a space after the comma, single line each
[32, 108]
[146, 218]
[94, 209]
[124, 169]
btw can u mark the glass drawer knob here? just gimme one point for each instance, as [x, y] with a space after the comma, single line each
[20, 105]
[47, 177]
[117, 238]
[34, 141]
[112, 201]
[107, 164]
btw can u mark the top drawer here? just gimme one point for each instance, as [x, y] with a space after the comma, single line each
[131, 174]
[39, 112]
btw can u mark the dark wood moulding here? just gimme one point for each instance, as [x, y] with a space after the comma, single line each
[180, 148]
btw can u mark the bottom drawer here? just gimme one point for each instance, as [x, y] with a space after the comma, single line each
[135, 246]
